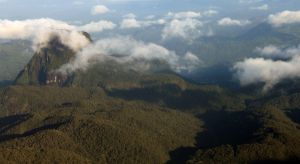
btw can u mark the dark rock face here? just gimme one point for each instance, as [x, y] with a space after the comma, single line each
[41, 70]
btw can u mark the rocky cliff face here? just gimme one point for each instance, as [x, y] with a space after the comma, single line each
[41, 68]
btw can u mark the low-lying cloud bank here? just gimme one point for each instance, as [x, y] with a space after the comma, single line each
[97, 26]
[284, 17]
[41, 31]
[132, 22]
[128, 50]
[188, 29]
[119, 49]
[268, 70]
[272, 51]
[233, 22]
[186, 25]
[276, 63]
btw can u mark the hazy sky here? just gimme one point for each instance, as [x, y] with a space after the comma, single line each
[79, 10]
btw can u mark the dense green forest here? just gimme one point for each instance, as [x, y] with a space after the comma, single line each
[166, 125]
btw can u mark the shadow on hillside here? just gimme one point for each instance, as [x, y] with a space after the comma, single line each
[6, 123]
[169, 94]
[220, 128]
[227, 128]
[294, 115]
[5, 83]
[181, 155]
[291, 160]
[12, 121]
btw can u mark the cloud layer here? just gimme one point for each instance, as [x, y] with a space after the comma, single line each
[188, 29]
[272, 51]
[185, 15]
[128, 50]
[41, 31]
[267, 70]
[284, 17]
[186, 25]
[97, 26]
[99, 9]
[233, 22]
[131, 22]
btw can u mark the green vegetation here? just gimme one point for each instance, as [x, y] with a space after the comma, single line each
[86, 125]
[13, 57]
[272, 136]
[97, 124]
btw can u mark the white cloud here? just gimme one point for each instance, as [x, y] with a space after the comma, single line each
[189, 62]
[185, 15]
[153, 22]
[233, 22]
[285, 17]
[130, 23]
[99, 9]
[262, 7]
[191, 14]
[186, 25]
[269, 50]
[210, 12]
[41, 31]
[97, 26]
[128, 50]
[188, 29]
[269, 71]
[276, 52]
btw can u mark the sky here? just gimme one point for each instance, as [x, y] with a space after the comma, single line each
[79, 10]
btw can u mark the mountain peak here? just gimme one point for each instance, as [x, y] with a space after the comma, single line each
[41, 68]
